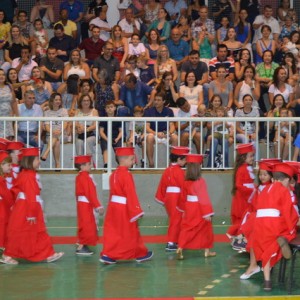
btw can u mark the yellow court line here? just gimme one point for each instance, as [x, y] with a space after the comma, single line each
[283, 297]
[152, 226]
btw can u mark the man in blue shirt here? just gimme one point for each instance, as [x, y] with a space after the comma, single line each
[28, 132]
[178, 48]
[134, 93]
[163, 132]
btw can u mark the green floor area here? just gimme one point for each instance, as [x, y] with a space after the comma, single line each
[85, 277]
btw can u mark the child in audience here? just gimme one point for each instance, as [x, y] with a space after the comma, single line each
[40, 36]
[168, 193]
[87, 203]
[131, 67]
[222, 31]
[121, 236]
[146, 73]
[110, 109]
[27, 236]
[42, 95]
[196, 227]
[136, 47]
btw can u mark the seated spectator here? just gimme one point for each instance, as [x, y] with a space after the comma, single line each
[29, 131]
[52, 67]
[222, 30]
[120, 45]
[146, 73]
[222, 87]
[85, 138]
[76, 65]
[86, 87]
[136, 47]
[222, 58]
[165, 64]
[24, 25]
[40, 36]
[159, 131]
[280, 86]
[41, 94]
[116, 135]
[63, 43]
[222, 8]
[134, 93]
[8, 107]
[24, 64]
[4, 30]
[70, 28]
[283, 135]
[264, 75]
[104, 91]
[202, 44]
[233, 45]
[191, 90]
[288, 47]
[55, 131]
[129, 24]
[152, 45]
[185, 129]
[18, 87]
[184, 28]
[92, 46]
[222, 135]
[287, 28]
[264, 43]
[289, 63]
[42, 11]
[108, 62]
[100, 21]
[248, 86]
[175, 9]
[282, 11]
[168, 89]
[131, 68]
[162, 26]
[246, 130]
[151, 12]
[12, 48]
[178, 48]
[243, 60]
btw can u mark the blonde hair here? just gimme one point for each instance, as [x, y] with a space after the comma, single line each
[160, 49]
[80, 58]
[22, 40]
[113, 37]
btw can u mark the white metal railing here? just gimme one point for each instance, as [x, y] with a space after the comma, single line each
[266, 149]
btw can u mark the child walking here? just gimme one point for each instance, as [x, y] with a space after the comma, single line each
[14, 150]
[196, 228]
[168, 193]
[121, 235]
[87, 202]
[275, 223]
[6, 196]
[243, 190]
[27, 236]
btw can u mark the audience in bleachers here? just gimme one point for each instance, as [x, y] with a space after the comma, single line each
[166, 58]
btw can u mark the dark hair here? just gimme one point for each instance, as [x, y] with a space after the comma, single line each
[81, 99]
[293, 33]
[22, 11]
[275, 97]
[226, 37]
[186, 76]
[51, 48]
[275, 76]
[162, 95]
[239, 160]
[265, 26]
[294, 63]
[8, 73]
[110, 102]
[51, 99]
[267, 7]
[220, 66]
[194, 52]
[83, 81]
[212, 99]
[174, 157]
[5, 81]
[59, 27]
[247, 95]
[26, 47]
[158, 36]
[193, 171]
[181, 101]
[241, 53]
[5, 18]
[268, 51]
[249, 67]
[269, 173]
[135, 34]
[240, 25]
[27, 162]
[72, 84]
[219, 46]
[38, 20]
[131, 78]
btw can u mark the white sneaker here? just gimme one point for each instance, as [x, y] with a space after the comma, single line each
[247, 276]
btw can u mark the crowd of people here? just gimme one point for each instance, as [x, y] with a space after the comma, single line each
[160, 60]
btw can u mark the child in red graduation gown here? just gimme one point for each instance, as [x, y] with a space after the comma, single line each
[168, 193]
[87, 202]
[121, 235]
[27, 236]
[275, 223]
[196, 228]
[14, 149]
[6, 196]
[243, 189]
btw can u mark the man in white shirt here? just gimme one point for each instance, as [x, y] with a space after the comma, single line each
[129, 24]
[102, 24]
[24, 64]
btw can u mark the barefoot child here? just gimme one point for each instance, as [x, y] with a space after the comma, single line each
[196, 228]
[87, 202]
[121, 235]
[168, 193]
[27, 236]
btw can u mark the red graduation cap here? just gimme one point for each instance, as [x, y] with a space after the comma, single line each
[194, 158]
[124, 151]
[3, 140]
[266, 166]
[285, 168]
[180, 150]
[271, 160]
[3, 146]
[15, 145]
[245, 148]
[82, 159]
[3, 155]
[30, 152]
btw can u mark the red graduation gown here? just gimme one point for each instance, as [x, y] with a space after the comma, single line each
[245, 189]
[121, 235]
[168, 194]
[268, 228]
[25, 240]
[196, 232]
[6, 202]
[87, 200]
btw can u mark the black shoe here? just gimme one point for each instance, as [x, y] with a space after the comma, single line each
[142, 163]
[171, 247]
[84, 251]
[43, 159]
[105, 166]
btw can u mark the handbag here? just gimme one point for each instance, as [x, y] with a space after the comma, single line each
[88, 134]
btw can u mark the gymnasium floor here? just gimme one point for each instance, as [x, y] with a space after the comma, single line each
[164, 277]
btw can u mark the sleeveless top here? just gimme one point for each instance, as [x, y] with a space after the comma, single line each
[166, 67]
[242, 36]
[246, 89]
[5, 111]
[152, 53]
[81, 114]
[263, 48]
[118, 53]
[76, 70]
[151, 15]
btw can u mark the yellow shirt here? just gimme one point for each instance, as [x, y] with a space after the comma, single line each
[69, 28]
[4, 30]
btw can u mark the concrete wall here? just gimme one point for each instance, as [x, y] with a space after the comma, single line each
[58, 192]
